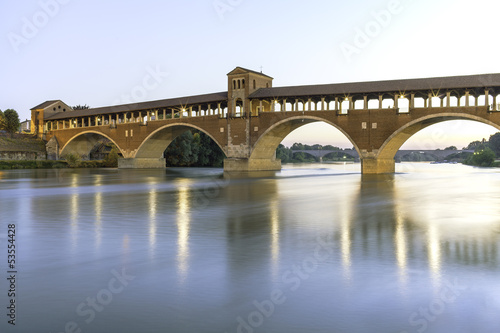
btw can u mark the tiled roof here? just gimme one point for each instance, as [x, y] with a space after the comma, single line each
[45, 104]
[249, 70]
[393, 86]
[164, 103]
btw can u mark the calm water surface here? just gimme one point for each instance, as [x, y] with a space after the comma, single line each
[313, 248]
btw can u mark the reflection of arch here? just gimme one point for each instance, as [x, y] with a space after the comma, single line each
[397, 139]
[156, 143]
[268, 142]
[82, 143]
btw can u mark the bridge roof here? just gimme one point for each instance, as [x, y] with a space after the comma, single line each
[390, 86]
[164, 103]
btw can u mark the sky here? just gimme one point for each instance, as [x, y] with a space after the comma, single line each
[103, 53]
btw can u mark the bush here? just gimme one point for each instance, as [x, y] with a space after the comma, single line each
[74, 160]
[40, 164]
[483, 158]
[111, 160]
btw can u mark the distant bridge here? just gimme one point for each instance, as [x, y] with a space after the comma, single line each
[438, 154]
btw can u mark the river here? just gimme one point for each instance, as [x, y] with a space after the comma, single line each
[312, 248]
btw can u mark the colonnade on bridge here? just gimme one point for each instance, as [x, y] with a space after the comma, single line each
[250, 120]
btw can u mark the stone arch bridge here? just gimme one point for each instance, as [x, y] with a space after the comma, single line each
[438, 154]
[251, 118]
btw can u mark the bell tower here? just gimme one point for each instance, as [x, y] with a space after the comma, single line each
[241, 83]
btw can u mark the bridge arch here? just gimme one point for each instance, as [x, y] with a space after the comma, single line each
[82, 143]
[155, 144]
[265, 147]
[398, 138]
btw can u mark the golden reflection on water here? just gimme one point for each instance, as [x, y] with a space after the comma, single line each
[275, 238]
[153, 207]
[183, 226]
[434, 253]
[345, 237]
[401, 249]
[98, 219]
[74, 219]
[98, 211]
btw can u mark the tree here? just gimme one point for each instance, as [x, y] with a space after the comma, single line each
[81, 107]
[477, 145]
[2, 120]
[494, 143]
[451, 148]
[11, 120]
[483, 158]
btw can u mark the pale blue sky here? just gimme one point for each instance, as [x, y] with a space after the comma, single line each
[96, 52]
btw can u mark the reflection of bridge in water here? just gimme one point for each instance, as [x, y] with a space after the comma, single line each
[440, 155]
[387, 232]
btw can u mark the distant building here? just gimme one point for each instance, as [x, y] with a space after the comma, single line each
[25, 126]
[44, 110]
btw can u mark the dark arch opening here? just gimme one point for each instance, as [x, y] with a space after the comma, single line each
[270, 144]
[188, 142]
[92, 146]
[193, 148]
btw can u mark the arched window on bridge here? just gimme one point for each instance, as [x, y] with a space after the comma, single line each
[301, 105]
[471, 101]
[234, 84]
[359, 104]
[277, 106]
[453, 101]
[254, 84]
[373, 104]
[419, 102]
[243, 83]
[238, 108]
[388, 103]
[344, 106]
[403, 104]
[435, 102]
[288, 106]
[481, 100]
[496, 107]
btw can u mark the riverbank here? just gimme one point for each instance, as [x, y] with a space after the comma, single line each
[48, 164]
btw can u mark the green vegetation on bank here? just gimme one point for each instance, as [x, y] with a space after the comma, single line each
[40, 164]
[485, 152]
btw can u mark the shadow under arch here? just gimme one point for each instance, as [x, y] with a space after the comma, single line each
[397, 139]
[156, 143]
[82, 143]
[265, 147]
